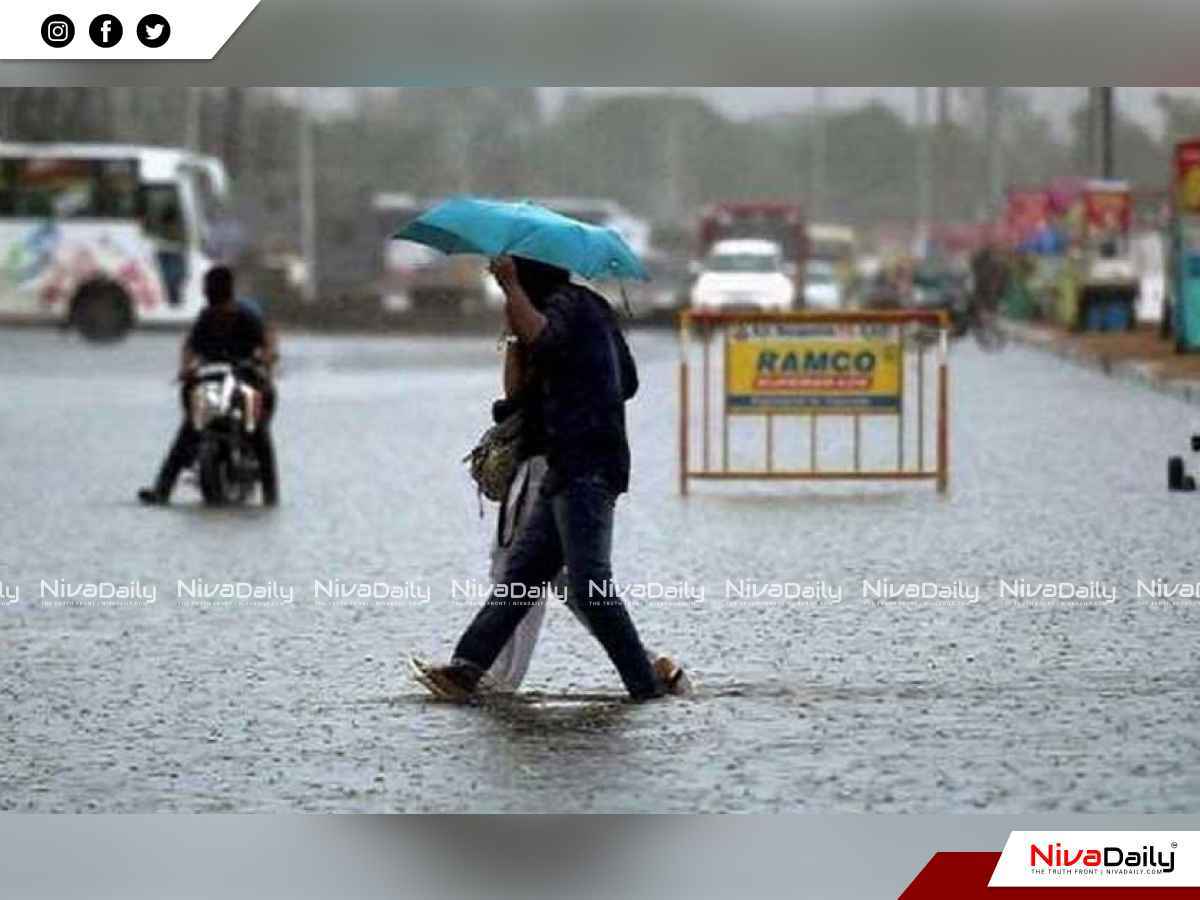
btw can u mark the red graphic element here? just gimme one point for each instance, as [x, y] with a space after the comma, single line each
[1187, 156]
[65, 276]
[965, 876]
[1108, 211]
[67, 273]
[132, 277]
[1028, 213]
[1187, 174]
[807, 382]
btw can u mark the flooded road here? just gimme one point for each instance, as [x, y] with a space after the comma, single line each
[296, 697]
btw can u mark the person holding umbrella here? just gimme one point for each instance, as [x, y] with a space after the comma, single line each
[522, 397]
[586, 374]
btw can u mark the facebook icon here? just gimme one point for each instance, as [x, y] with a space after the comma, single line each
[106, 30]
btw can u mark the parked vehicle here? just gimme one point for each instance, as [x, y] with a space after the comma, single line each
[668, 290]
[837, 246]
[822, 287]
[417, 278]
[883, 288]
[744, 275]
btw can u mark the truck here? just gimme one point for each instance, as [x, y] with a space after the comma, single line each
[780, 222]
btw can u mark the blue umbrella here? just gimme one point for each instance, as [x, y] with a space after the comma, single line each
[495, 228]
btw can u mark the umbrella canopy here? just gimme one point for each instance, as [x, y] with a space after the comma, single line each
[496, 228]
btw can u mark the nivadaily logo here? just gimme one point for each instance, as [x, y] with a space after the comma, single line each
[1146, 858]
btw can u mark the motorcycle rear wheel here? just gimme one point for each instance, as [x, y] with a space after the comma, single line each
[219, 482]
[210, 466]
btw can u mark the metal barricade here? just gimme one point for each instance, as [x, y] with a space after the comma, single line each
[822, 367]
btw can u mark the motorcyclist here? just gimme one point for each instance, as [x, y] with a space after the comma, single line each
[226, 331]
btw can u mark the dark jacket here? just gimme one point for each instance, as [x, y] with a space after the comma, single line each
[528, 402]
[229, 333]
[587, 374]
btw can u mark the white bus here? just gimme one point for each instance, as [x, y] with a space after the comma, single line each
[104, 237]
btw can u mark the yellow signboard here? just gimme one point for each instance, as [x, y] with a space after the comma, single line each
[802, 369]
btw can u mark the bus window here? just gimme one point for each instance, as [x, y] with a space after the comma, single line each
[71, 188]
[53, 188]
[117, 189]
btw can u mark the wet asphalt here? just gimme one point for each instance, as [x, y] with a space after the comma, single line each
[290, 700]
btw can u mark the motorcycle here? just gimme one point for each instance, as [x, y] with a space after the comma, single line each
[226, 410]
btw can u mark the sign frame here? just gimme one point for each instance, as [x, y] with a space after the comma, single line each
[708, 323]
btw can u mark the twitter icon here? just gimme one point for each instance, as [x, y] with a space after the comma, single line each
[154, 31]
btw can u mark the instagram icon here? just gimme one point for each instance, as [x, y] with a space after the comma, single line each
[58, 30]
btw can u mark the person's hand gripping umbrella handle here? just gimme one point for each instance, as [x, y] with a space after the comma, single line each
[523, 319]
[504, 270]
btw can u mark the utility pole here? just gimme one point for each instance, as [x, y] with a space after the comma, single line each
[458, 137]
[1089, 133]
[674, 153]
[994, 137]
[819, 149]
[191, 121]
[924, 172]
[941, 154]
[233, 122]
[308, 195]
[121, 114]
[1107, 149]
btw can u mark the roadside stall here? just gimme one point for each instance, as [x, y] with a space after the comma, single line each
[1038, 244]
[1098, 285]
[1183, 264]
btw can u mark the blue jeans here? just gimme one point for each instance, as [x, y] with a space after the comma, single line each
[572, 526]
